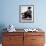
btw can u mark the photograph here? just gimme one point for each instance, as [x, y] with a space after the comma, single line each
[26, 13]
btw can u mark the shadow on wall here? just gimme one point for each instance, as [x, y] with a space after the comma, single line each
[2, 26]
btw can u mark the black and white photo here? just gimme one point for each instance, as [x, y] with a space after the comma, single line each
[26, 13]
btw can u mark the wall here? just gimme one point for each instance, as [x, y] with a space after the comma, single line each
[9, 13]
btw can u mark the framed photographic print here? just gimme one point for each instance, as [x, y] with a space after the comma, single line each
[26, 13]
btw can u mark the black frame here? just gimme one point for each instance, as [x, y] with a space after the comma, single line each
[21, 7]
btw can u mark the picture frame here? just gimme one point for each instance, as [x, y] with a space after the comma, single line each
[26, 13]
